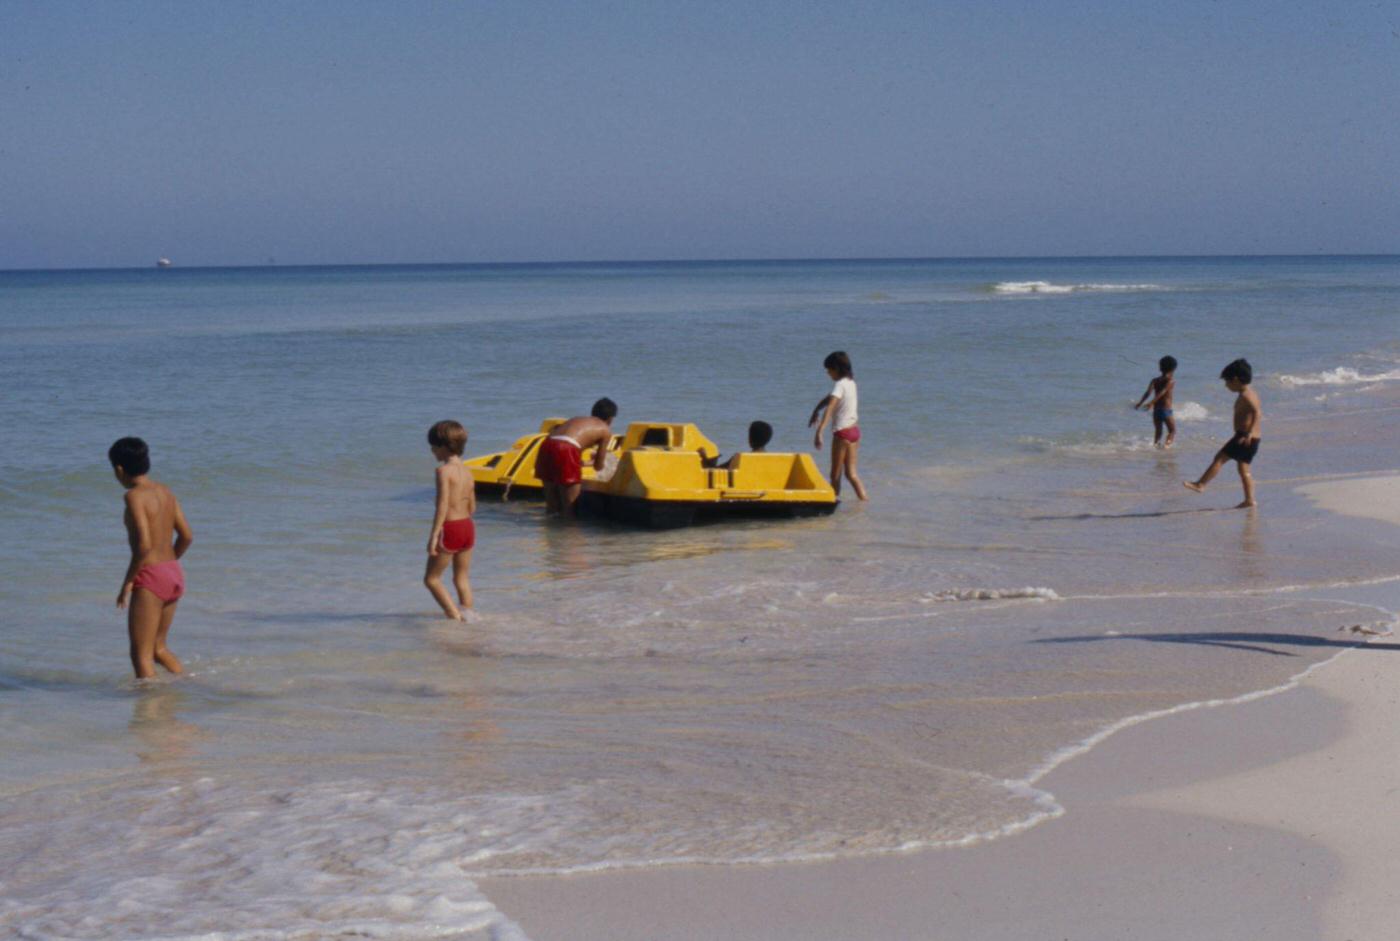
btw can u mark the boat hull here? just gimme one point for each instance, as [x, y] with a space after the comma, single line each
[674, 514]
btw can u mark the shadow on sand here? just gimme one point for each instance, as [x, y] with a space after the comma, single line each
[1235, 640]
[1145, 514]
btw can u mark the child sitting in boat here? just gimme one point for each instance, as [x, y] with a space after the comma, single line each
[760, 433]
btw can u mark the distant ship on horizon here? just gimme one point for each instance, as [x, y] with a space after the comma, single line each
[164, 262]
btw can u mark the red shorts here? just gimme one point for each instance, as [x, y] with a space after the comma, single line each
[165, 580]
[559, 462]
[458, 536]
[851, 434]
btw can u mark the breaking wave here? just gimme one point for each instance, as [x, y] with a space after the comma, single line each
[1093, 445]
[1048, 287]
[1191, 411]
[1341, 376]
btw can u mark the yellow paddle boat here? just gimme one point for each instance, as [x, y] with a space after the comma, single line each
[663, 475]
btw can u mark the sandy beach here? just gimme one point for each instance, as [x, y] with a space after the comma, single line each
[1262, 817]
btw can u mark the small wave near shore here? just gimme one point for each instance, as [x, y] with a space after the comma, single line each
[1340, 376]
[1049, 287]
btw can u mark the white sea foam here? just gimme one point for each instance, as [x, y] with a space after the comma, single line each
[995, 594]
[1341, 376]
[1190, 411]
[1092, 446]
[1048, 287]
[211, 859]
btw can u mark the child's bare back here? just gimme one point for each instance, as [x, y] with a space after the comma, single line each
[459, 490]
[1163, 388]
[150, 522]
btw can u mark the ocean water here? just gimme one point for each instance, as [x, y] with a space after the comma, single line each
[1028, 574]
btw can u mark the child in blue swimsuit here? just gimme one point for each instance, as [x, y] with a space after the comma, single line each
[1158, 397]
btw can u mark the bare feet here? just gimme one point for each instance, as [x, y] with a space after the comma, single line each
[1192, 485]
[1246, 505]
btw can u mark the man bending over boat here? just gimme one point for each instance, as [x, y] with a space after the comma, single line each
[559, 465]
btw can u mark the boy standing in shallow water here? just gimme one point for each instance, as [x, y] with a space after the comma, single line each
[454, 533]
[154, 582]
[1244, 445]
[1159, 392]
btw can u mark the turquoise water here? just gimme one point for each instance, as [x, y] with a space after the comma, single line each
[892, 676]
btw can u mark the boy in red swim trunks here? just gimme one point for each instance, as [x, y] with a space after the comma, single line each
[454, 533]
[154, 582]
[559, 464]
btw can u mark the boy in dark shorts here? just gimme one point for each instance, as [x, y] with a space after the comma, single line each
[1158, 397]
[1249, 417]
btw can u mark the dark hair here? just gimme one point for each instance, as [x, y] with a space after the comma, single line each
[1239, 370]
[131, 455]
[760, 433]
[1167, 364]
[450, 435]
[606, 409]
[840, 362]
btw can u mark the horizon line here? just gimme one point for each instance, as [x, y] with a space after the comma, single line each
[617, 262]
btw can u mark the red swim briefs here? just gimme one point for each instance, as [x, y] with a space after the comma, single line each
[165, 580]
[851, 434]
[458, 536]
[559, 462]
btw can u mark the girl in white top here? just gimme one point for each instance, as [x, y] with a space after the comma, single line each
[840, 409]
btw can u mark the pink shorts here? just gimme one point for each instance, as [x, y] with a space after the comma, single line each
[851, 434]
[165, 580]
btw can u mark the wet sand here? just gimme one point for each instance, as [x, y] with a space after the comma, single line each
[1262, 818]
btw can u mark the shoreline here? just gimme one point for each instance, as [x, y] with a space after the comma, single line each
[1256, 820]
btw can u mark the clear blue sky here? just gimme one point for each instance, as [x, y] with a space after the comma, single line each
[228, 133]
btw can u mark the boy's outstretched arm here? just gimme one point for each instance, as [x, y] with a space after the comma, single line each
[1166, 389]
[826, 402]
[830, 404]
